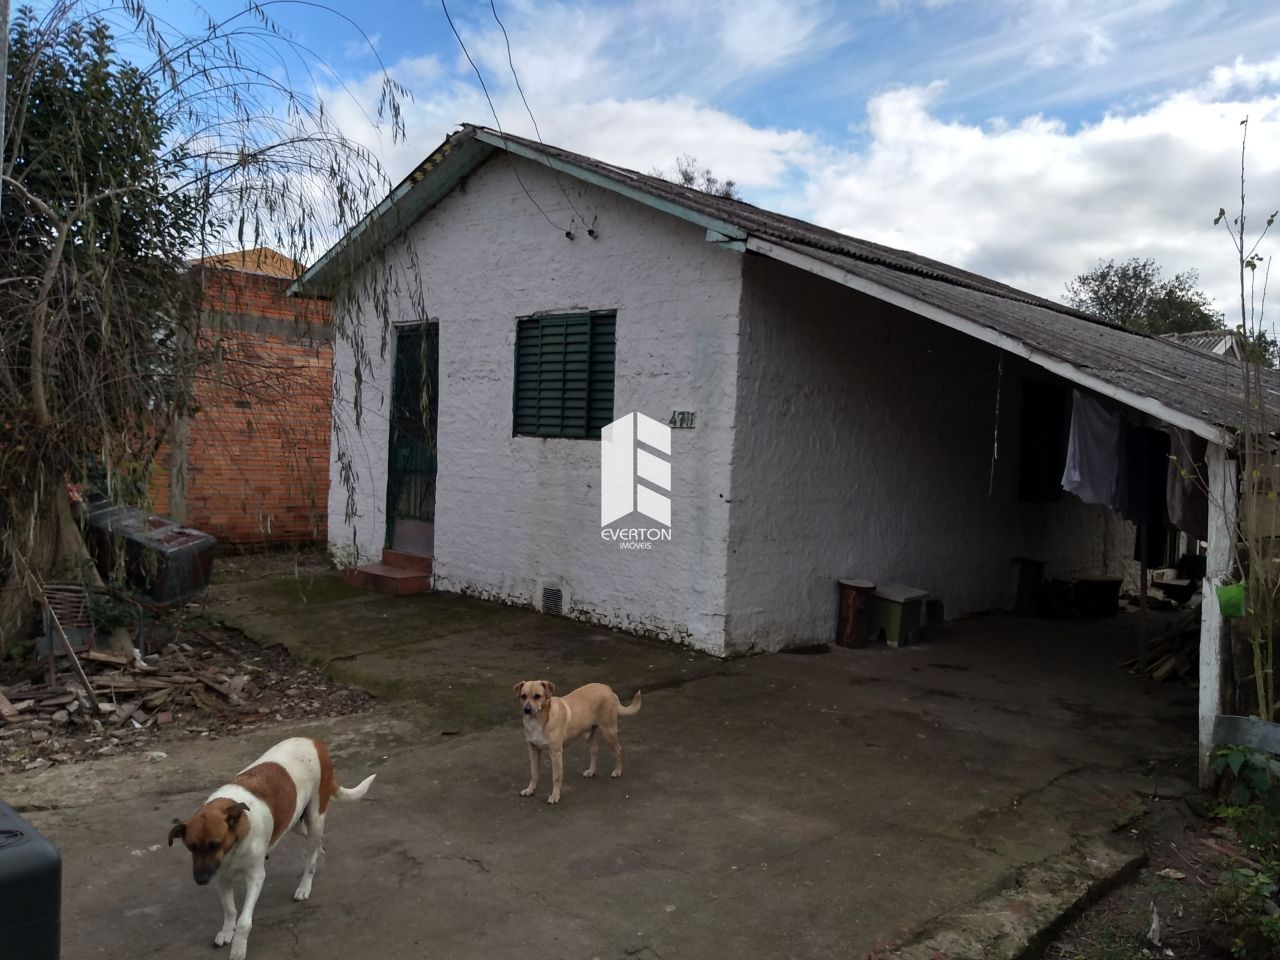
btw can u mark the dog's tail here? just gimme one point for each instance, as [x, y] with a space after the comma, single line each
[632, 707]
[354, 793]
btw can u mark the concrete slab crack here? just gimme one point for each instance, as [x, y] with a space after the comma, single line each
[1020, 921]
[474, 861]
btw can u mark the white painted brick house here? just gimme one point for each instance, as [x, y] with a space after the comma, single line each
[857, 411]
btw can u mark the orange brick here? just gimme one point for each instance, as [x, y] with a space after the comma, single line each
[258, 450]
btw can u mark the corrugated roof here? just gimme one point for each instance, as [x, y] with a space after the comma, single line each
[1180, 384]
[1200, 385]
[1210, 341]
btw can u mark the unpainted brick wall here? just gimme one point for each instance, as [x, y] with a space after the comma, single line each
[257, 449]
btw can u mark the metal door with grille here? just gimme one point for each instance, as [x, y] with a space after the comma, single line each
[411, 469]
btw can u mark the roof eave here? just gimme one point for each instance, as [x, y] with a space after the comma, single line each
[427, 185]
[784, 253]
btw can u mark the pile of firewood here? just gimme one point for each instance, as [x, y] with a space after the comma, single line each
[206, 681]
[125, 694]
[1173, 654]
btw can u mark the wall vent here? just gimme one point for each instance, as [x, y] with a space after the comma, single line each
[553, 600]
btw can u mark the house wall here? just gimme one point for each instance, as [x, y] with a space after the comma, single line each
[361, 430]
[1077, 539]
[257, 450]
[513, 513]
[863, 449]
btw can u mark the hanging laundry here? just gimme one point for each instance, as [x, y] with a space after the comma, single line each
[1147, 467]
[1187, 485]
[1095, 453]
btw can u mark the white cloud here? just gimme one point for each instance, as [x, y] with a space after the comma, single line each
[600, 83]
[1031, 200]
[1035, 203]
[766, 33]
[1242, 76]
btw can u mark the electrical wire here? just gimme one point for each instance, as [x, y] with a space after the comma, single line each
[492, 109]
[529, 110]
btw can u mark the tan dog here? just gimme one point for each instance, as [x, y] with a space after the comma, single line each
[551, 722]
[289, 786]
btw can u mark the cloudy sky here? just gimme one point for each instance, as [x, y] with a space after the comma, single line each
[1023, 139]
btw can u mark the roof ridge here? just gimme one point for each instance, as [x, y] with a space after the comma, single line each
[877, 253]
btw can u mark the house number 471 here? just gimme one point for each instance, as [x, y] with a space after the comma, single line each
[681, 420]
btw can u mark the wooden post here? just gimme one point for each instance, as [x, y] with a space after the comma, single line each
[1142, 607]
[1223, 504]
[179, 465]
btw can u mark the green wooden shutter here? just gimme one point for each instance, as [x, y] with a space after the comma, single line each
[551, 343]
[564, 375]
[576, 371]
[527, 353]
[600, 388]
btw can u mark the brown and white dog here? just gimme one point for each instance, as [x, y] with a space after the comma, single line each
[231, 834]
[551, 721]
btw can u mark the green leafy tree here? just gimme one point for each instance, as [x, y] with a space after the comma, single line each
[97, 299]
[1136, 295]
[116, 172]
[1260, 347]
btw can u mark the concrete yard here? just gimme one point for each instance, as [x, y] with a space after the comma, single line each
[791, 805]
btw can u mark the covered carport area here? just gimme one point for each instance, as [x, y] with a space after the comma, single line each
[1163, 384]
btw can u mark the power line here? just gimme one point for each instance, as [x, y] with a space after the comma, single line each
[492, 109]
[529, 110]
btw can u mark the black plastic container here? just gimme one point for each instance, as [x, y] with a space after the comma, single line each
[164, 561]
[1098, 596]
[30, 891]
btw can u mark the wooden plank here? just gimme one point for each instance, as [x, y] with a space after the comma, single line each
[125, 711]
[219, 688]
[1223, 502]
[110, 682]
[1163, 668]
[153, 700]
[102, 656]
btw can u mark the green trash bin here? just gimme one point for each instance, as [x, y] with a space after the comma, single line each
[897, 611]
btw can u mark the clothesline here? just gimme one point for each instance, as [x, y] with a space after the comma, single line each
[1150, 476]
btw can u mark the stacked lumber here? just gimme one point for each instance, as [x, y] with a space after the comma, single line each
[124, 695]
[1174, 653]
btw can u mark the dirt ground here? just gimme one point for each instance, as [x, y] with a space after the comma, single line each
[802, 806]
[788, 805]
[1186, 854]
[270, 685]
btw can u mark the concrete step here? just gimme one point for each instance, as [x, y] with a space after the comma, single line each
[406, 561]
[385, 578]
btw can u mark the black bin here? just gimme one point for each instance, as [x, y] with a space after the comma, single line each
[164, 561]
[30, 891]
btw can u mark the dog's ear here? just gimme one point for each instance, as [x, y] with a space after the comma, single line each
[177, 832]
[234, 813]
[550, 687]
[515, 688]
